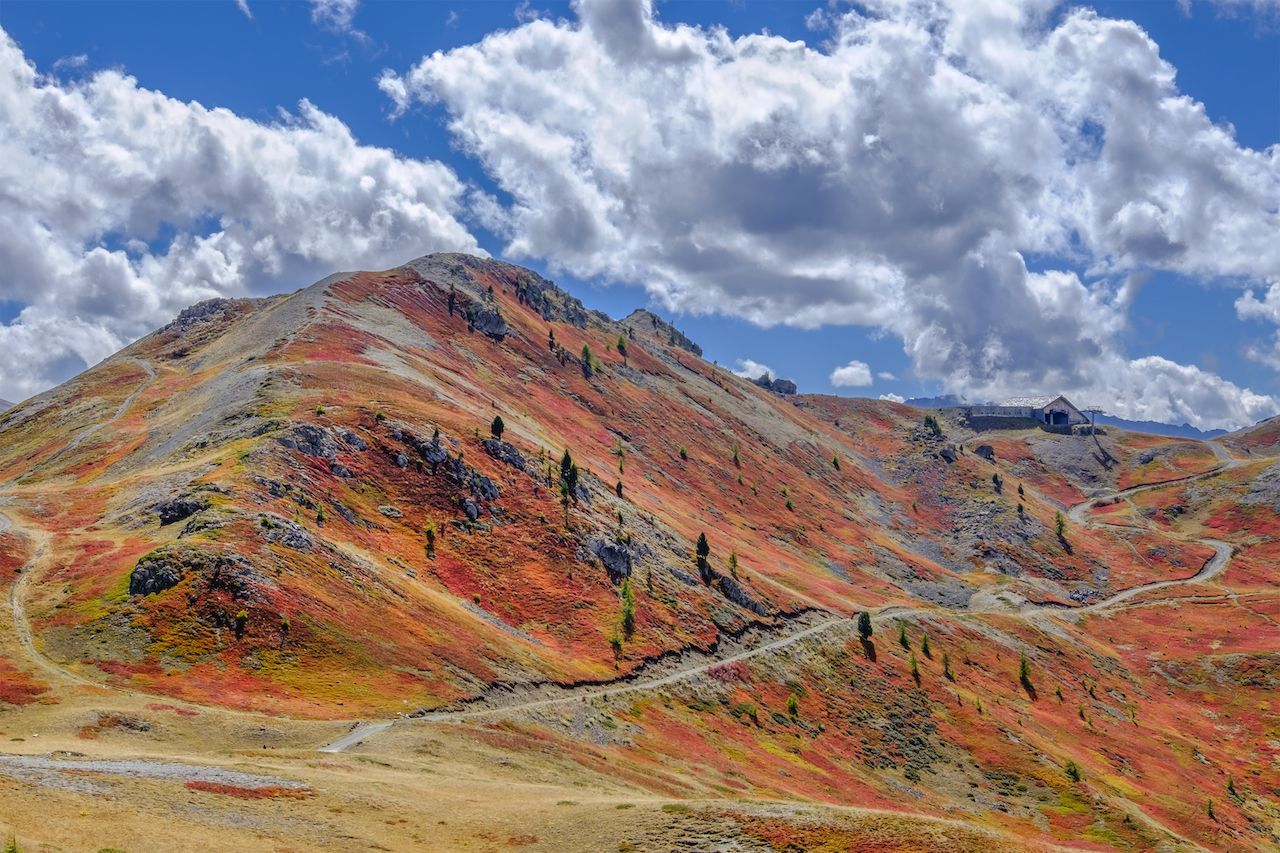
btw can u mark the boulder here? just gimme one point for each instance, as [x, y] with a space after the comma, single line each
[178, 508]
[487, 320]
[987, 452]
[504, 452]
[390, 512]
[615, 558]
[288, 534]
[155, 573]
[311, 440]
[354, 441]
[948, 454]
[471, 508]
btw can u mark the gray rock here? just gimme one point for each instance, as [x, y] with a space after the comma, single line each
[390, 512]
[987, 452]
[354, 441]
[288, 534]
[154, 573]
[948, 454]
[176, 509]
[471, 508]
[433, 452]
[487, 320]
[615, 558]
[400, 459]
[504, 452]
[735, 592]
[311, 440]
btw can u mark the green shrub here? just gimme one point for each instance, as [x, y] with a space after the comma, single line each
[1072, 771]
[496, 428]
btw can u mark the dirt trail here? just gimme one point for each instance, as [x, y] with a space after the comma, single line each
[119, 413]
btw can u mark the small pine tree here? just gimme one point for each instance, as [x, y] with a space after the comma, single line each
[1020, 491]
[320, 515]
[11, 846]
[1024, 674]
[924, 647]
[618, 489]
[737, 461]
[622, 349]
[684, 454]
[902, 635]
[242, 619]
[628, 609]
[1060, 525]
[1212, 815]
[1231, 786]
[497, 427]
[284, 628]
[1072, 771]
[946, 667]
[733, 563]
[835, 462]
[915, 667]
[430, 531]
[793, 706]
[864, 625]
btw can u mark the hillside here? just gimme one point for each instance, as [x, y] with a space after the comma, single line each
[287, 513]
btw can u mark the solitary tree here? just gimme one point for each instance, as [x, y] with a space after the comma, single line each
[902, 635]
[915, 668]
[497, 427]
[628, 608]
[835, 462]
[1024, 674]
[793, 706]
[703, 551]
[284, 629]
[946, 667]
[864, 625]
[733, 563]
[1060, 525]
[924, 647]
[1072, 770]
[622, 349]
[430, 531]
[242, 619]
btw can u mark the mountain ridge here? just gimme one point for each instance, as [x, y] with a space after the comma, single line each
[448, 488]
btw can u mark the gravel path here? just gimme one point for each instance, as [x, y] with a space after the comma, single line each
[65, 772]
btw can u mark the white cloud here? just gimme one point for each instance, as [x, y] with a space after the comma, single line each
[336, 15]
[896, 178]
[98, 172]
[749, 369]
[893, 398]
[855, 374]
[79, 60]
[886, 376]
[243, 6]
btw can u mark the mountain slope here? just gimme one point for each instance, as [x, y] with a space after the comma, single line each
[296, 505]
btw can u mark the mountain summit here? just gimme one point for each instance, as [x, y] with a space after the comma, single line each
[449, 492]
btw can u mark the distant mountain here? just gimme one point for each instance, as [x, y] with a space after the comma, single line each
[951, 401]
[5, 404]
[946, 401]
[1158, 428]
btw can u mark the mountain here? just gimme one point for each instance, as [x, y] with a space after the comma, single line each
[951, 401]
[554, 579]
[5, 404]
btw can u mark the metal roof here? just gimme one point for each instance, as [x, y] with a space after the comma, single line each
[1031, 402]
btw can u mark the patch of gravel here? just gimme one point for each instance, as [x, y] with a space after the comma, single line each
[61, 772]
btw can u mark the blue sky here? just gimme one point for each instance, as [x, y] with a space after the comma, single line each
[1226, 56]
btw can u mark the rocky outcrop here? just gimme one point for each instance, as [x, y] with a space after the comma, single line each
[177, 508]
[504, 452]
[286, 533]
[777, 386]
[986, 451]
[614, 556]
[311, 440]
[166, 567]
[485, 318]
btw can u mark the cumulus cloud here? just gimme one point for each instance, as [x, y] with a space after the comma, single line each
[897, 177]
[122, 206]
[749, 369]
[893, 398]
[855, 374]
